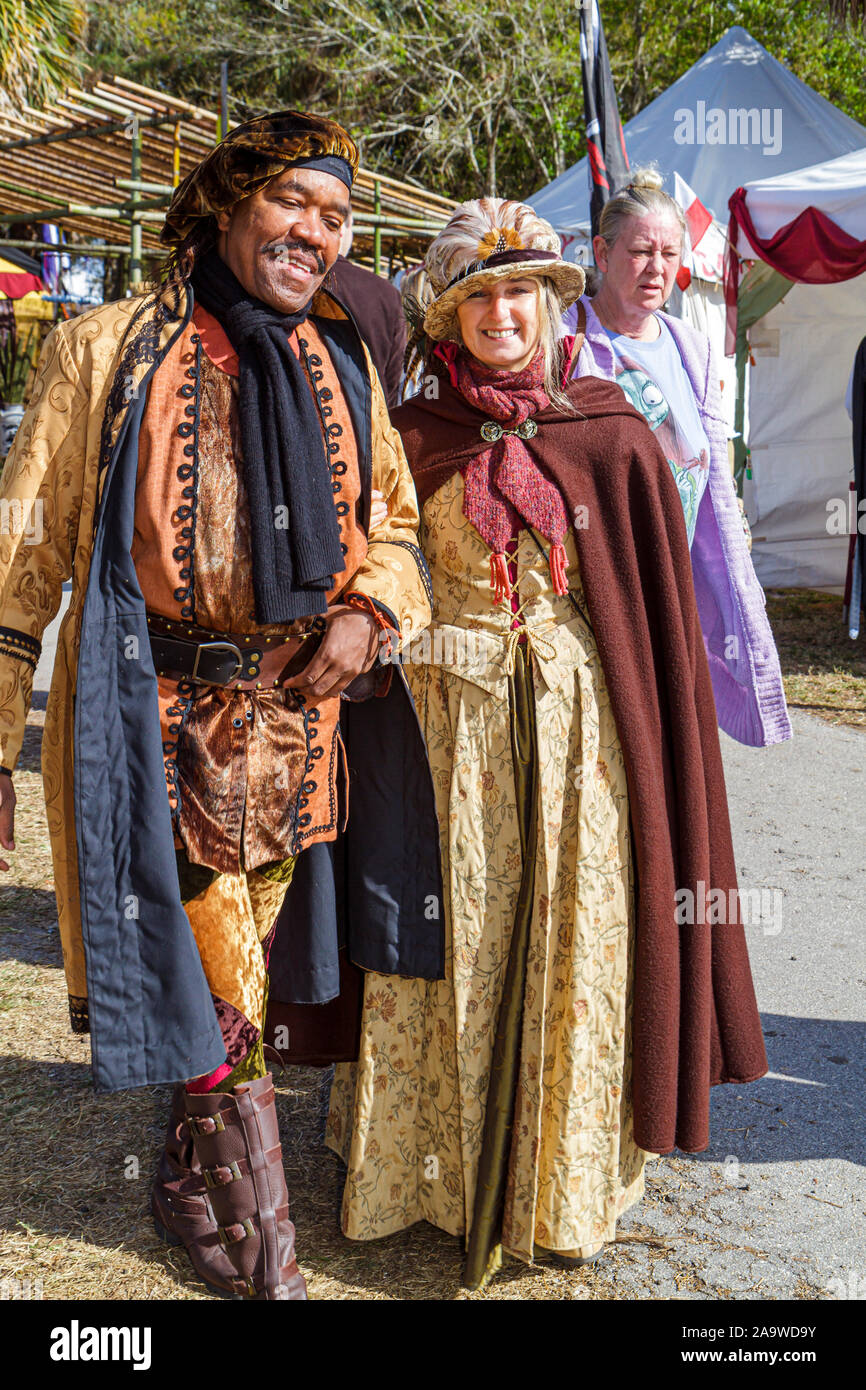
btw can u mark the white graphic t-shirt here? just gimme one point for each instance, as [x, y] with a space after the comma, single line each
[654, 380]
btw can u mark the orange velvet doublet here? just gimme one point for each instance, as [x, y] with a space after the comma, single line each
[251, 776]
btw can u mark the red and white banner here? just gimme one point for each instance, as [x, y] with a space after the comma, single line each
[704, 251]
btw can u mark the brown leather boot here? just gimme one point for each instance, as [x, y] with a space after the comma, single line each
[179, 1203]
[237, 1142]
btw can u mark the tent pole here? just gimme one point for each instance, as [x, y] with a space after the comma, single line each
[80, 248]
[82, 132]
[741, 452]
[135, 198]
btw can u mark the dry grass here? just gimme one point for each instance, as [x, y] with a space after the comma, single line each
[823, 670]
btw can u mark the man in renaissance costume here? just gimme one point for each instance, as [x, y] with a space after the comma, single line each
[202, 461]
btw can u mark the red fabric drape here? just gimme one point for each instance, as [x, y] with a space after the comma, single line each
[811, 249]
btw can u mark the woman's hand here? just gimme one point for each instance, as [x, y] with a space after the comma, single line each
[379, 509]
[7, 815]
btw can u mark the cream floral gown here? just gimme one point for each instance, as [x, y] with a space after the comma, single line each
[408, 1117]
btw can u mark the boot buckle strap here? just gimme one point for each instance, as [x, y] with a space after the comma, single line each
[245, 1287]
[206, 1124]
[222, 1176]
[240, 1230]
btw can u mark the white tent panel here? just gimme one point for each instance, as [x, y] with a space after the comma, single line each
[719, 127]
[818, 564]
[799, 433]
[577, 245]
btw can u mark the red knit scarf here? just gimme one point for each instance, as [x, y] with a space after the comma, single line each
[503, 486]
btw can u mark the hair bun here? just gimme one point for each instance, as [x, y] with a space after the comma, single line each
[647, 177]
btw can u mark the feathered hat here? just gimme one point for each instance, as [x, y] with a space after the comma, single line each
[490, 239]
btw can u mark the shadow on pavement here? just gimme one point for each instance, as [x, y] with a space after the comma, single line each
[811, 1108]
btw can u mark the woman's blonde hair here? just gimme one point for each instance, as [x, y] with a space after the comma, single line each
[642, 195]
[416, 293]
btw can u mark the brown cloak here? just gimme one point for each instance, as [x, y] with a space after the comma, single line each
[696, 1020]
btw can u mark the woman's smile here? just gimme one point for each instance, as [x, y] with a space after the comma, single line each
[500, 323]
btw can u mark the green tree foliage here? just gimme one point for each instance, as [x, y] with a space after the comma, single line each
[39, 49]
[462, 96]
[653, 43]
[178, 47]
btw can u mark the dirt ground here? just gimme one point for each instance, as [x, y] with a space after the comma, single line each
[76, 1171]
[823, 670]
[75, 1168]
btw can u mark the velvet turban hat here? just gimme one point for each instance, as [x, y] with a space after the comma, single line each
[249, 157]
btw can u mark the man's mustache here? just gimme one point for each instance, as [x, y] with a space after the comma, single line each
[280, 251]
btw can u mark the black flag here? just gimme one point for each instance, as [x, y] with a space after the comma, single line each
[608, 161]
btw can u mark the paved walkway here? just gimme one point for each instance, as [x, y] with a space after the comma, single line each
[776, 1207]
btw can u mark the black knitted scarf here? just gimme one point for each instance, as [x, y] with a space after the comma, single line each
[285, 466]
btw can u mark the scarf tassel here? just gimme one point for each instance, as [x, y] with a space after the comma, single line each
[499, 580]
[558, 569]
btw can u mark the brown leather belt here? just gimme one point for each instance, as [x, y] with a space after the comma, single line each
[239, 661]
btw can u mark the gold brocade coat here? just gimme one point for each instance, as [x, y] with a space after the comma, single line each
[87, 384]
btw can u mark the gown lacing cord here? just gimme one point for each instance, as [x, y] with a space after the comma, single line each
[534, 634]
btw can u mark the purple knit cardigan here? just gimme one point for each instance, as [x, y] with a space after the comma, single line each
[744, 663]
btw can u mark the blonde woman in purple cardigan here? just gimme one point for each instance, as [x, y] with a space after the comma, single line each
[666, 370]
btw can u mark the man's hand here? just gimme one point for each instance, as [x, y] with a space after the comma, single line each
[7, 815]
[349, 646]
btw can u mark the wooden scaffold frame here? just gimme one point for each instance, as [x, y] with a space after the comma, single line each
[102, 163]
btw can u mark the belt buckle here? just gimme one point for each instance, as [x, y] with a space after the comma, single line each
[217, 646]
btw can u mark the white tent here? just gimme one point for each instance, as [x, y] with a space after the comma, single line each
[798, 431]
[737, 115]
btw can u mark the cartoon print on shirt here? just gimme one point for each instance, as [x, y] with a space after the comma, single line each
[647, 397]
